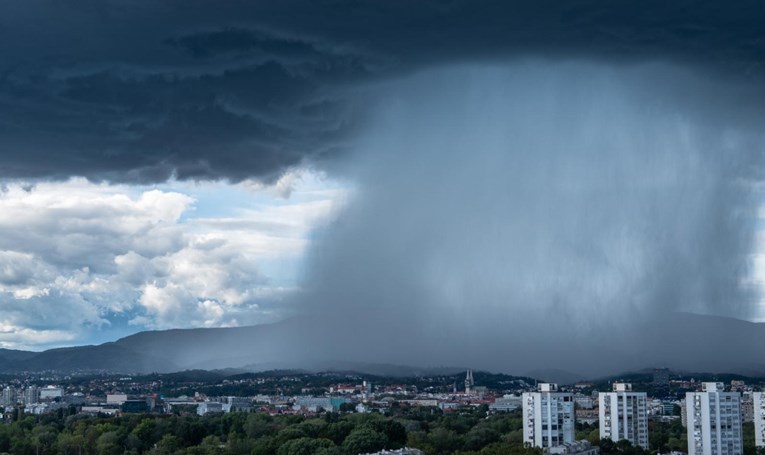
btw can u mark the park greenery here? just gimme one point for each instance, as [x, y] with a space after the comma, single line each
[468, 431]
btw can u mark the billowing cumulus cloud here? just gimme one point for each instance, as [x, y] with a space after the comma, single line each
[76, 258]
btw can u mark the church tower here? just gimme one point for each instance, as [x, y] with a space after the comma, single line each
[469, 382]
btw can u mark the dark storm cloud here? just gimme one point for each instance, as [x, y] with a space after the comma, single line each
[140, 91]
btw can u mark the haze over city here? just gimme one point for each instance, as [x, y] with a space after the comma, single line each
[509, 186]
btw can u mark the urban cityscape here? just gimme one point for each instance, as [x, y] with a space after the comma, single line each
[715, 418]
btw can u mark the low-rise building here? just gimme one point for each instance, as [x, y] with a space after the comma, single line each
[236, 404]
[315, 404]
[99, 410]
[404, 451]
[421, 402]
[575, 448]
[207, 407]
[116, 398]
[584, 401]
[135, 406]
[51, 392]
[506, 403]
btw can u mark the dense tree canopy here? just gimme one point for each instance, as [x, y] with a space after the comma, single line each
[469, 431]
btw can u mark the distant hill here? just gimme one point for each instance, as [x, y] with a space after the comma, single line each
[556, 376]
[680, 341]
[12, 355]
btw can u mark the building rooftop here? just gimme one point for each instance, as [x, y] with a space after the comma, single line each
[547, 387]
[622, 387]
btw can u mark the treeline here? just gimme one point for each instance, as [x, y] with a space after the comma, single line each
[467, 432]
[470, 432]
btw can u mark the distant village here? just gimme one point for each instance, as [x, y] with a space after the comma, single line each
[712, 412]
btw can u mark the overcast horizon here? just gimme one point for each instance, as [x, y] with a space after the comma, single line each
[464, 174]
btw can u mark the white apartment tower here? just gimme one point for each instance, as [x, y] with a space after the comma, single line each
[31, 395]
[8, 399]
[759, 418]
[714, 421]
[548, 417]
[623, 414]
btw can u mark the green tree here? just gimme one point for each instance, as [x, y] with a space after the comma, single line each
[313, 428]
[393, 430]
[258, 425]
[304, 446]
[109, 444]
[190, 431]
[146, 432]
[338, 431]
[419, 440]
[265, 445]
[44, 437]
[168, 445]
[444, 441]
[290, 433]
[479, 437]
[70, 444]
[363, 440]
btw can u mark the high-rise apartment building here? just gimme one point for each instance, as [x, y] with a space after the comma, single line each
[758, 415]
[8, 399]
[548, 417]
[623, 414]
[31, 395]
[714, 421]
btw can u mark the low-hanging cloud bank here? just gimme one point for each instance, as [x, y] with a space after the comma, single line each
[528, 215]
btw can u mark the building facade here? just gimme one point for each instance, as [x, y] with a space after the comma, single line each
[623, 414]
[758, 415]
[31, 395]
[8, 399]
[747, 407]
[575, 448]
[51, 393]
[548, 417]
[506, 403]
[714, 421]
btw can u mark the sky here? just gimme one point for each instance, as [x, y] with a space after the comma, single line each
[471, 168]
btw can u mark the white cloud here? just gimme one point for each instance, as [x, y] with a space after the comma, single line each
[18, 269]
[74, 255]
[12, 336]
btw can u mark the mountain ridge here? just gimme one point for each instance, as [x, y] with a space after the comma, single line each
[287, 345]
